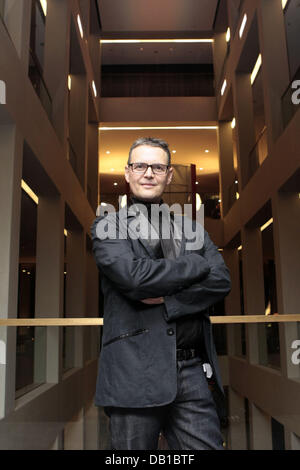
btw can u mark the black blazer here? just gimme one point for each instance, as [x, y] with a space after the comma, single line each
[137, 365]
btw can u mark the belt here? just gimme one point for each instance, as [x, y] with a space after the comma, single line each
[185, 354]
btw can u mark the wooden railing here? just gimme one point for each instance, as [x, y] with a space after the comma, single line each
[225, 319]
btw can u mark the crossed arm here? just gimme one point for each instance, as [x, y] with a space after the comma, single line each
[187, 284]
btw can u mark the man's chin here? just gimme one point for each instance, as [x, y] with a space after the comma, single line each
[148, 197]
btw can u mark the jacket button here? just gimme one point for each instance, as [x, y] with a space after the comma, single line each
[170, 331]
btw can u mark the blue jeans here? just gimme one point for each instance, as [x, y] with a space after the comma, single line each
[190, 422]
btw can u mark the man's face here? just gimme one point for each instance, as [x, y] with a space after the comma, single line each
[148, 186]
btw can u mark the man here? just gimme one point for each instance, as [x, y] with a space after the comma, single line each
[157, 334]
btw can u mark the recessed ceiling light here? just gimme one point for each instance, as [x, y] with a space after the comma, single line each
[94, 88]
[115, 184]
[223, 87]
[173, 151]
[243, 25]
[132, 41]
[256, 69]
[228, 35]
[176, 128]
[44, 6]
[270, 221]
[206, 151]
[29, 191]
[201, 169]
[107, 152]
[197, 182]
[80, 25]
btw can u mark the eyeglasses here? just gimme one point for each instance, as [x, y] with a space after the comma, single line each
[156, 168]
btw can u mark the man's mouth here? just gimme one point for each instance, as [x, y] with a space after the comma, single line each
[148, 184]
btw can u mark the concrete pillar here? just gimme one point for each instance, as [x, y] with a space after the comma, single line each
[56, 61]
[92, 165]
[243, 112]
[237, 427]
[254, 300]
[233, 302]
[49, 285]
[275, 67]
[77, 124]
[292, 441]
[91, 427]
[74, 433]
[13, 19]
[75, 294]
[11, 151]
[220, 48]
[260, 429]
[92, 307]
[227, 173]
[286, 230]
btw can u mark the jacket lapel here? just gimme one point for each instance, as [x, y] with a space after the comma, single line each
[179, 242]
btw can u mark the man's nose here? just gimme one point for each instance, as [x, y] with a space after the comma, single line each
[149, 173]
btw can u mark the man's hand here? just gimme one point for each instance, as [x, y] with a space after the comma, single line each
[154, 301]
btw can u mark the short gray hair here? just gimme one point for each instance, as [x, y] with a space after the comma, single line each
[152, 142]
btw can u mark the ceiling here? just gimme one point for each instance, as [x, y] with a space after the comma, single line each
[157, 53]
[156, 20]
[157, 15]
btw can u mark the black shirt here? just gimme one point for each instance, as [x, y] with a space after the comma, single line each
[189, 327]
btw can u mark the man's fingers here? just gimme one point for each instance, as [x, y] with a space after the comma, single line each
[153, 301]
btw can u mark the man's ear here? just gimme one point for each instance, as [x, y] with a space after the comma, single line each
[170, 175]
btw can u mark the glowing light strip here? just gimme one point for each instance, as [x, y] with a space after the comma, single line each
[44, 6]
[223, 87]
[29, 191]
[94, 88]
[256, 69]
[266, 225]
[228, 35]
[79, 25]
[69, 82]
[138, 41]
[177, 128]
[284, 2]
[243, 25]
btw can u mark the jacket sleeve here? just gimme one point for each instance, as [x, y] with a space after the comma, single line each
[204, 293]
[141, 278]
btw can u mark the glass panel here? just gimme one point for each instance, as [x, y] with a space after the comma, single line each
[31, 343]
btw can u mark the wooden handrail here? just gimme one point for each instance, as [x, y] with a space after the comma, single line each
[225, 319]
